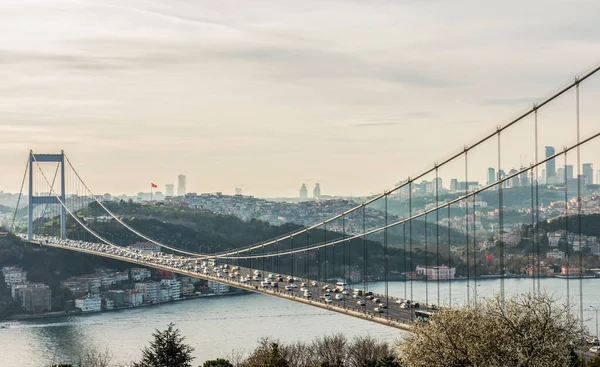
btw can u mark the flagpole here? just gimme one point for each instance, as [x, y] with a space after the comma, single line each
[151, 193]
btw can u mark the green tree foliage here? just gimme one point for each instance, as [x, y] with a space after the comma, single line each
[219, 362]
[589, 224]
[166, 350]
[526, 330]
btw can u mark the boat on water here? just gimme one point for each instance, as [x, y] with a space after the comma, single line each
[4, 326]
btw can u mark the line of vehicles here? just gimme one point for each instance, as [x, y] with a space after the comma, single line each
[328, 293]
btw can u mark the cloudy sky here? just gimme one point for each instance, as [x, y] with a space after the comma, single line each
[353, 94]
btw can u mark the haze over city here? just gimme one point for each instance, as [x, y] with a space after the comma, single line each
[269, 95]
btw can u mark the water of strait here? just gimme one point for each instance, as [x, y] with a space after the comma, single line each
[217, 326]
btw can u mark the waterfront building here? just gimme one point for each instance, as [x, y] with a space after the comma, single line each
[117, 297]
[36, 298]
[174, 287]
[570, 270]
[187, 289]
[436, 272]
[217, 287]
[134, 297]
[149, 290]
[90, 303]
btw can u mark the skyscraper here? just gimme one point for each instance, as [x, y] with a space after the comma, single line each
[524, 177]
[569, 171]
[514, 182]
[303, 192]
[181, 182]
[317, 192]
[491, 176]
[588, 172]
[169, 190]
[550, 166]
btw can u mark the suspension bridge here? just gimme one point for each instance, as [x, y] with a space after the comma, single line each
[469, 228]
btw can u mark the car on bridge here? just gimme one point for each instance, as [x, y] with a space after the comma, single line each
[361, 303]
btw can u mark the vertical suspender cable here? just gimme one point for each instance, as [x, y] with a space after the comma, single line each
[410, 244]
[364, 225]
[501, 220]
[467, 224]
[567, 231]
[426, 265]
[579, 202]
[385, 256]
[437, 234]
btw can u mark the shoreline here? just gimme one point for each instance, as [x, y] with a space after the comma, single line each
[56, 314]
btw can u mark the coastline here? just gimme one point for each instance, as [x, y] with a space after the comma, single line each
[55, 314]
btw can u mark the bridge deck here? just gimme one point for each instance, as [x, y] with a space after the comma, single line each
[392, 316]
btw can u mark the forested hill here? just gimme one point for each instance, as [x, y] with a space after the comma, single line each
[590, 224]
[202, 231]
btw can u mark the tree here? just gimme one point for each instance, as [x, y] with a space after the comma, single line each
[527, 330]
[219, 362]
[167, 350]
[275, 357]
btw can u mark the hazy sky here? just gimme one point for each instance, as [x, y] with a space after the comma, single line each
[355, 95]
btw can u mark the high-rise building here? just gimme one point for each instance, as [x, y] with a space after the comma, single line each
[181, 189]
[542, 178]
[238, 191]
[514, 182]
[560, 175]
[524, 177]
[588, 172]
[303, 192]
[453, 184]
[170, 190]
[491, 176]
[550, 166]
[317, 192]
[569, 171]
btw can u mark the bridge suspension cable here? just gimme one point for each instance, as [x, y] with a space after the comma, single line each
[520, 117]
[133, 230]
[412, 217]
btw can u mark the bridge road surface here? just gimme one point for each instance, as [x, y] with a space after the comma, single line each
[392, 316]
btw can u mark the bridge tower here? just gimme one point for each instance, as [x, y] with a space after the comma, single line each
[49, 199]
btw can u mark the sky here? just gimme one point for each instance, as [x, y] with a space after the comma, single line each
[267, 95]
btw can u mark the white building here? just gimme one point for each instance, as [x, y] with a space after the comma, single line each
[217, 287]
[436, 272]
[89, 304]
[13, 275]
[555, 254]
[138, 274]
[174, 287]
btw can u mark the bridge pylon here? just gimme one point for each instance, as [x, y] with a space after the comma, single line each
[50, 198]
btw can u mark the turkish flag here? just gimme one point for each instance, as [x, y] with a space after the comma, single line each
[154, 185]
[489, 257]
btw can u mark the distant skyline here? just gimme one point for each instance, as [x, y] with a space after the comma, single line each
[273, 94]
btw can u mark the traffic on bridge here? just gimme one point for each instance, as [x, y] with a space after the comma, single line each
[339, 297]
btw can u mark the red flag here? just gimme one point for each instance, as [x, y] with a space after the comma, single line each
[154, 185]
[489, 257]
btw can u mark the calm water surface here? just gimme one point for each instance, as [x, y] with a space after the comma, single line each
[217, 326]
